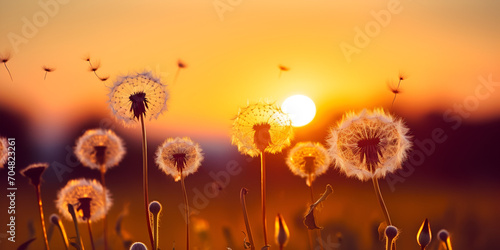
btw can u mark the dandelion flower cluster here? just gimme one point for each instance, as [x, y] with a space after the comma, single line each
[369, 144]
[99, 147]
[261, 127]
[308, 160]
[179, 155]
[84, 195]
[4, 151]
[138, 95]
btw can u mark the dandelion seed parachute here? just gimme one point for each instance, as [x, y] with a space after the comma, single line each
[78, 189]
[369, 144]
[176, 153]
[261, 123]
[98, 147]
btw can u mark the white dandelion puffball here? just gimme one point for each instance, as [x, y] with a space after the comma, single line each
[369, 144]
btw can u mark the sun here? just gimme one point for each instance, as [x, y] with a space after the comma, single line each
[300, 108]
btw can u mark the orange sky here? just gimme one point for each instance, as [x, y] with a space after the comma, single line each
[232, 57]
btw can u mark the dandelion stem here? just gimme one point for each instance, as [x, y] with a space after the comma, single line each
[90, 234]
[8, 71]
[42, 219]
[243, 194]
[45, 75]
[155, 228]
[71, 210]
[63, 234]
[318, 231]
[396, 93]
[388, 244]
[263, 194]
[382, 205]
[187, 209]
[145, 178]
[105, 220]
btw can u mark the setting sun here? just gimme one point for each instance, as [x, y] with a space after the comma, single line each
[300, 108]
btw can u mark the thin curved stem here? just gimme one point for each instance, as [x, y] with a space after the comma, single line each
[263, 194]
[8, 71]
[243, 194]
[71, 211]
[42, 217]
[186, 210]
[318, 231]
[155, 231]
[381, 202]
[63, 234]
[105, 219]
[145, 178]
[90, 234]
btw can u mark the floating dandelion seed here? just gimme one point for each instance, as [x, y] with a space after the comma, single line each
[395, 89]
[99, 149]
[47, 70]
[369, 145]
[281, 233]
[308, 160]
[87, 197]
[282, 69]
[136, 97]
[180, 157]
[103, 79]
[4, 59]
[4, 151]
[258, 128]
[34, 173]
[180, 65]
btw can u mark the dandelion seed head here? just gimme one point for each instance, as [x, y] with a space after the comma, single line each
[4, 151]
[178, 155]
[138, 94]
[99, 147]
[308, 160]
[261, 127]
[391, 232]
[369, 144]
[82, 193]
[34, 172]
